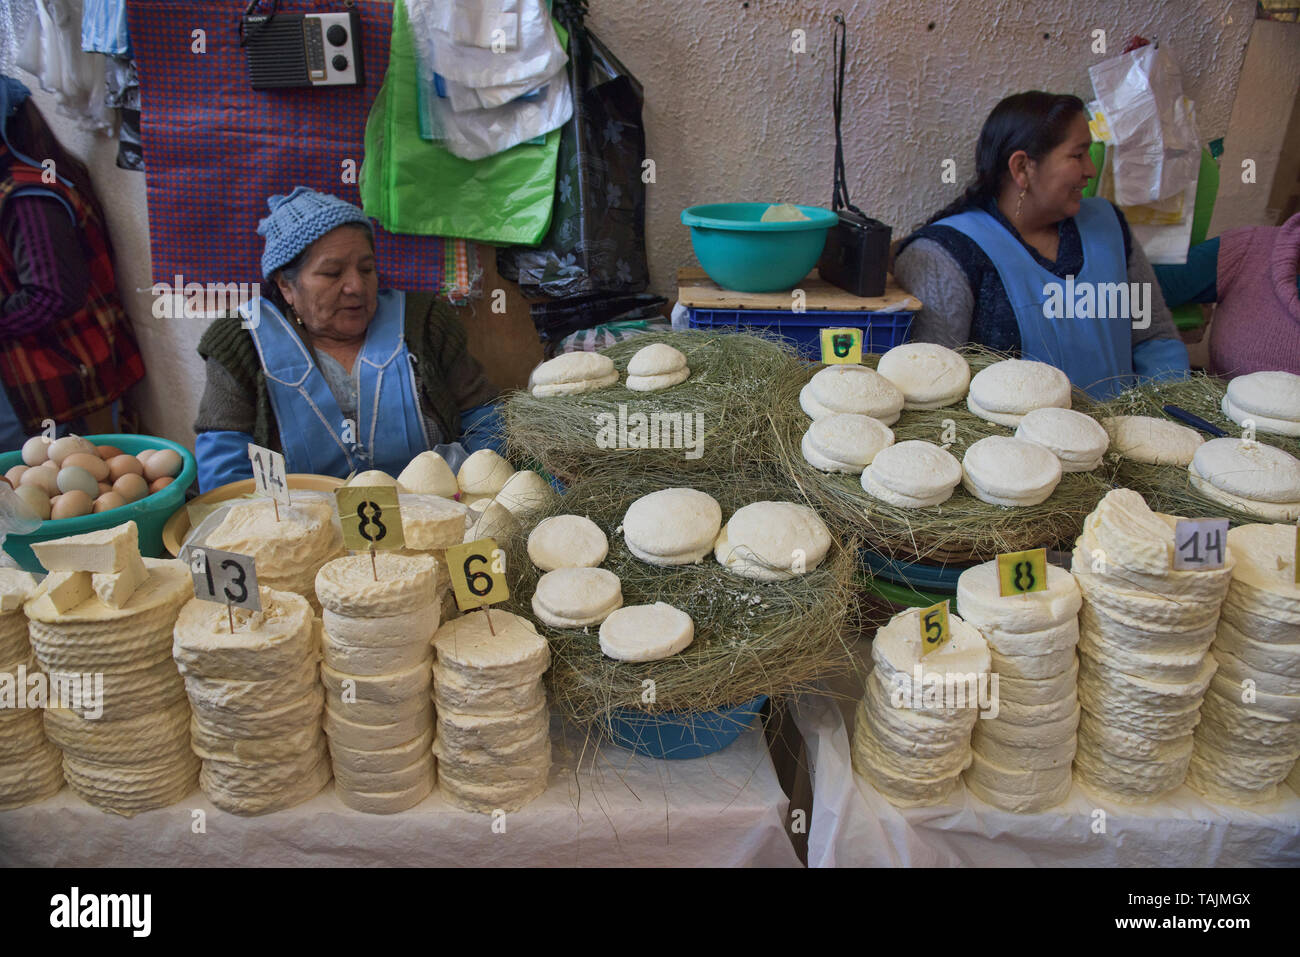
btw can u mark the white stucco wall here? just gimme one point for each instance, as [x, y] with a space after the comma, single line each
[732, 114]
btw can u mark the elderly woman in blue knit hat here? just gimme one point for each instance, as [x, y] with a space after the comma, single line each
[338, 374]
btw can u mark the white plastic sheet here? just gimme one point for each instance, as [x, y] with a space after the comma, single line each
[852, 825]
[724, 810]
[1157, 150]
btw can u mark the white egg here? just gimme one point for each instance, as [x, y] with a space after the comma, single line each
[74, 477]
[36, 450]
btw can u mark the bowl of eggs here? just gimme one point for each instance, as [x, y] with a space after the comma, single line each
[78, 484]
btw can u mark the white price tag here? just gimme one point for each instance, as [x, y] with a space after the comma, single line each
[225, 577]
[269, 473]
[1200, 544]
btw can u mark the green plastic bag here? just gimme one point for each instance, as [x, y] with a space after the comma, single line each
[416, 187]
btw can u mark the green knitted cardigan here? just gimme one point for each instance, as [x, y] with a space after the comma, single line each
[434, 337]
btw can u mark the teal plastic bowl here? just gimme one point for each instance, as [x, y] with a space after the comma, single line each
[741, 253]
[678, 735]
[150, 513]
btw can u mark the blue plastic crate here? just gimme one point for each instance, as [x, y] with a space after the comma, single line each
[881, 331]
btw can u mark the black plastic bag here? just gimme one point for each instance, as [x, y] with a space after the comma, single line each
[596, 242]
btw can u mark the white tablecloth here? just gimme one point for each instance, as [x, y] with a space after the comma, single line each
[852, 825]
[725, 809]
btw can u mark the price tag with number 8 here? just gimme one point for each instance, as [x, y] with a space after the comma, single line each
[370, 517]
[478, 574]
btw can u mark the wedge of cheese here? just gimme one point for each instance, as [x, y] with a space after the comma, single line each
[116, 588]
[107, 551]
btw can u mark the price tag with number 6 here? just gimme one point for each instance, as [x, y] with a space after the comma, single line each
[227, 578]
[841, 346]
[478, 574]
[934, 628]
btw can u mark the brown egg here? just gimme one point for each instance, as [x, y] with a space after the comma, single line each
[143, 456]
[36, 500]
[46, 479]
[107, 452]
[92, 463]
[109, 500]
[105, 487]
[71, 505]
[120, 465]
[36, 450]
[160, 483]
[60, 449]
[131, 487]
[164, 462]
[6, 481]
[16, 473]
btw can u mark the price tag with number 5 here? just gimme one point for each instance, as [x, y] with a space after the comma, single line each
[934, 628]
[225, 577]
[370, 517]
[1200, 544]
[268, 473]
[1020, 573]
[478, 574]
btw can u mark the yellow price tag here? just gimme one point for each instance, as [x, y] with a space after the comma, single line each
[934, 628]
[478, 574]
[842, 346]
[370, 517]
[1019, 573]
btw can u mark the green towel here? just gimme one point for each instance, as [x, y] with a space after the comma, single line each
[417, 187]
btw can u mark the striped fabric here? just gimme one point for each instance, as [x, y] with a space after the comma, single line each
[217, 148]
[464, 272]
[611, 333]
[103, 27]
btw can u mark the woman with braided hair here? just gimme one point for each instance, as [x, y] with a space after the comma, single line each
[995, 267]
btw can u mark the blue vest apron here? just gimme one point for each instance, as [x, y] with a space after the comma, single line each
[1097, 354]
[389, 431]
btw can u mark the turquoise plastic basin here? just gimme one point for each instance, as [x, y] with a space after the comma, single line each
[741, 253]
[150, 513]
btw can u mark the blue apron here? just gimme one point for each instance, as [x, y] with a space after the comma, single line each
[1096, 353]
[389, 431]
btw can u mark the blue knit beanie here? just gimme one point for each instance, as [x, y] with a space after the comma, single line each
[298, 220]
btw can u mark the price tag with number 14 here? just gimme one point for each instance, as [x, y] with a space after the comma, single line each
[268, 473]
[1200, 544]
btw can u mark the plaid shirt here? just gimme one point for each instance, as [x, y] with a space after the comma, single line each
[84, 360]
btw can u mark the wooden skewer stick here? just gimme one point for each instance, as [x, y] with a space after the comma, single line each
[489, 620]
[230, 613]
[373, 568]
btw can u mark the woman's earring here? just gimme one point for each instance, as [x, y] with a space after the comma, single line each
[1020, 203]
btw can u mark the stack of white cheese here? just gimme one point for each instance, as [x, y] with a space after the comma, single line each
[288, 551]
[910, 742]
[103, 610]
[257, 701]
[494, 744]
[1022, 754]
[430, 526]
[376, 675]
[1293, 779]
[1249, 735]
[1145, 633]
[31, 769]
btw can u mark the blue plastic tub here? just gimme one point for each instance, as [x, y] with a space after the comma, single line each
[676, 735]
[150, 513]
[881, 331]
[922, 576]
[740, 252]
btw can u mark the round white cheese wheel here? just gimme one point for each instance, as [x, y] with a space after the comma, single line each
[658, 358]
[347, 586]
[483, 473]
[1249, 470]
[773, 541]
[674, 526]
[495, 648]
[1076, 439]
[930, 376]
[897, 649]
[1265, 556]
[912, 474]
[567, 541]
[1271, 394]
[495, 523]
[1007, 471]
[655, 383]
[576, 597]
[524, 493]
[429, 474]
[851, 388]
[373, 477]
[572, 373]
[1018, 386]
[844, 442]
[1260, 423]
[1144, 438]
[646, 632]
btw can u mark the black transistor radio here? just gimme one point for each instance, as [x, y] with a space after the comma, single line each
[302, 49]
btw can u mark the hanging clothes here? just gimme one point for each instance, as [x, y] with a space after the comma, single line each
[52, 53]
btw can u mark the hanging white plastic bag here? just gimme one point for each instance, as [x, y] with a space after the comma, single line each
[476, 134]
[538, 55]
[493, 24]
[1157, 150]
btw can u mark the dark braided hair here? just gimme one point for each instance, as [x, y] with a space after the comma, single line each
[1035, 122]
